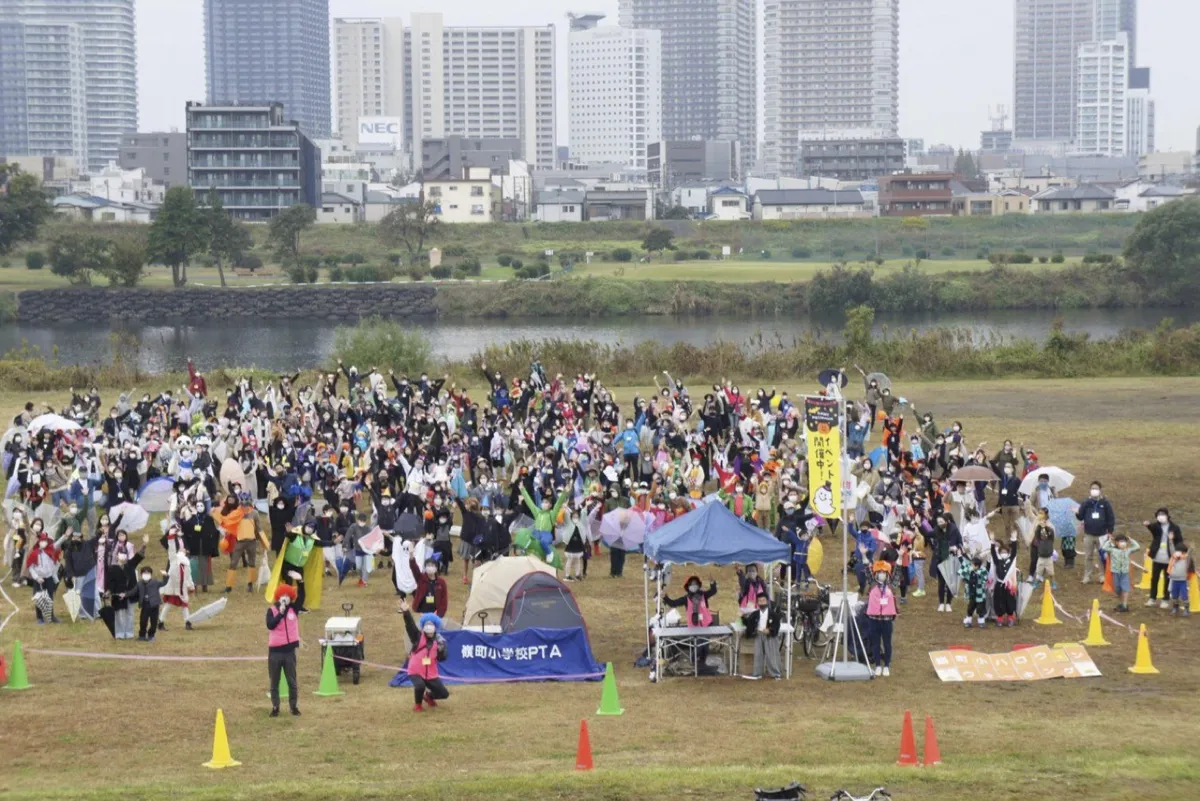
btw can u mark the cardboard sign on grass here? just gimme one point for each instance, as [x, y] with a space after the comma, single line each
[1065, 661]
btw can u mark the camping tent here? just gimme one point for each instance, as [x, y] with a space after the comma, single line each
[491, 583]
[713, 535]
[540, 600]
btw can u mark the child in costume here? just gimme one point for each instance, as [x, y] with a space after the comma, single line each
[428, 648]
[1004, 593]
[177, 591]
[974, 588]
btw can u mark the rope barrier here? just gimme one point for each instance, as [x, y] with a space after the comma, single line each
[146, 658]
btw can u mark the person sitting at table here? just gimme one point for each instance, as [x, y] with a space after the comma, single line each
[698, 615]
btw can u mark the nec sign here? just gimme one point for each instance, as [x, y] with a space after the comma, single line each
[380, 130]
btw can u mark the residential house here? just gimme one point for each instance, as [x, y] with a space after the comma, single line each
[970, 202]
[471, 199]
[634, 204]
[793, 204]
[380, 205]
[560, 205]
[90, 208]
[1082, 199]
[693, 197]
[338, 208]
[916, 195]
[728, 203]
[1139, 196]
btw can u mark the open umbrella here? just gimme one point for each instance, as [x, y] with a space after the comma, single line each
[372, 543]
[133, 517]
[623, 528]
[974, 472]
[156, 495]
[832, 376]
[54, 422]
[72, 600]
[409, 526]
[1059, 479]
[207, 612]
[883, 381]
[879, 457]
[1062, 516]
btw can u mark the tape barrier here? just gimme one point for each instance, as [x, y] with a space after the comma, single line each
[11, 603]
[1115, 623]
[146, 657]
[1058, 606]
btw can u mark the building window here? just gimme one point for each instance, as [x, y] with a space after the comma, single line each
[568, 209]
[435, 191]
[476, 191]
[477, 210]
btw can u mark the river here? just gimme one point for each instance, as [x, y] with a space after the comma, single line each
[284, 345]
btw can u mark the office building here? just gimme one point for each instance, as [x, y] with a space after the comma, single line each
[368, 73]
[1103, 80]
[489, 83]
[253, 157]
[443, 159]
[851, 159]
[672, 164]
[264, 53]
[163, 156]
[69, 82]
[615, 92]
[709, 73]
[1139, 115]
[1047, 40]
[996, 141]
[831, 70]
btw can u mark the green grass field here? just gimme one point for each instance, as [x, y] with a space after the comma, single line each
[92, 729]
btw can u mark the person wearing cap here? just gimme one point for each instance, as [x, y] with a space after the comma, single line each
[696, 600]
[881, 612]
[283, 638]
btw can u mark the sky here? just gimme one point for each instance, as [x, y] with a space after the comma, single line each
[955, 58]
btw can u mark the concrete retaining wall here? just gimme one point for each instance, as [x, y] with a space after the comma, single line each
[100, 305]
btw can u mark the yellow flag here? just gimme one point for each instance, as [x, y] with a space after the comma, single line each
[822, 432]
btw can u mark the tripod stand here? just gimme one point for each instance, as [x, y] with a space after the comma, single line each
[845, 669]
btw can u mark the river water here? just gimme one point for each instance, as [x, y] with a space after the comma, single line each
[284, 345]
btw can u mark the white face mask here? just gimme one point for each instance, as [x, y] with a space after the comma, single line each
[1162, 519]
[1095, 492]
[430, 631]
[881, 577]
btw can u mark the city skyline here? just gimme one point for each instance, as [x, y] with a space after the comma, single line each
[953, 75]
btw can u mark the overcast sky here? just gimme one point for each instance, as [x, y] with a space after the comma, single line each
[955, 58]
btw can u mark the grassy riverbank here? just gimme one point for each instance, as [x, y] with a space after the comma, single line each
[709, 740]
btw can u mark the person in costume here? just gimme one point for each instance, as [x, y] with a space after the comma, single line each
[177, 592]
[698, 615]
[544, 516]
[247, 536]
[881, 612]
[428, 648]
[283, 638]
[302, 566]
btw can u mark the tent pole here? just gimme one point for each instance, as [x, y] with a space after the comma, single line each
[646, 599]
[790, 637]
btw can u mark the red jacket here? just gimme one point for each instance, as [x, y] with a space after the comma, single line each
[196, 382]
[425, 588]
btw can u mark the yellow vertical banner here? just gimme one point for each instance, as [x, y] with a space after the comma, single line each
[823, 435]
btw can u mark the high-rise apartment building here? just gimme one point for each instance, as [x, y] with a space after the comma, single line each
[368, 72]
[1139, 116]
[485, 83]
[68, 78]
[261, 53]
[1047, 40]
[1111, 17]
[1100, 128]
[615, 92]
[831, 70]
[709, 74]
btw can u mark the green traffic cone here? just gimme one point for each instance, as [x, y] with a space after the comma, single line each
[17, 677]
[609, 703]
[283, 688]
[329, 684]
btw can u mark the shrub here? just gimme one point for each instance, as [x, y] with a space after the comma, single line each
[395, 258]
[455, 251]
[981, 254]
[335, 274]
[622, 255]
[801, 253]
[469, 266]
[921, 253]
[249, 262]
[1020, 258]
[701, 255]
[1058, 258]
[949, 252]
[355, 258]
[460, 273]
[878, 261]
[205, 260]
[682, 255]
[384, 344]
[504, 260]
[35, 260]
[417, 272]
[516, 264]
[766, 254]
[311, 261]
[1043, 259]
[441, 272]
[332, 260]
[297, 274]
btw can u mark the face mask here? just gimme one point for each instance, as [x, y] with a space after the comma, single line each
[1162, 519]
[430, 631]
[956, 428]
[1008, 471]
[145, 577]
[881, 577]
[431, 571]
[1095, 493]
[694, 588]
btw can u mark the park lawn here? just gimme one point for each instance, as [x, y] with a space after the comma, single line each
[20, 279]
[748, 270]
[108, 729]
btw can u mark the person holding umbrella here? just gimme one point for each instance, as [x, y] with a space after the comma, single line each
[41, 570]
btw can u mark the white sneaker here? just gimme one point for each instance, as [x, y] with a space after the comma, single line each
[878, 671]
[1150, 602]
[941, 607]
[1165, 605]
[887, 671]
[982, 622]
[967, 621]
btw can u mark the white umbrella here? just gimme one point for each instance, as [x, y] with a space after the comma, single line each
[72, 600]
[623, 528]
[1059, 480]
[54, 422]
[156, 495]
[133, 517]
[207, 612]
[949, 571]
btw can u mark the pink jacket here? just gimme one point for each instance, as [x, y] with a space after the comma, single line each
[286, 633]
[881, 602]
[423, 661]
[705, 615]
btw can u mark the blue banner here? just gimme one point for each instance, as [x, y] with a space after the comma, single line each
[530, 655]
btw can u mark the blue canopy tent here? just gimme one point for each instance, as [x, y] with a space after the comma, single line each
[713, 535]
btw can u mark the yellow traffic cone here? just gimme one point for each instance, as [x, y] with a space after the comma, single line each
[1148, 565]
[1048, 617]
[1142, 664]
[1095, 636]
[221, 757]
[1193, 593]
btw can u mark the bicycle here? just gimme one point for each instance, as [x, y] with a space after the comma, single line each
[878, 794]
[808, 611]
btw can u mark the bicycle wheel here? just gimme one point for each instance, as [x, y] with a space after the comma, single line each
[809, 639]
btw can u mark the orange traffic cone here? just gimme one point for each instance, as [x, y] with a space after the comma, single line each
[583, 755]
[933, 755]
[908, 743]
[1108, 582]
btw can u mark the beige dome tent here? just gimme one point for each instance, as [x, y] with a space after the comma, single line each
[491, 583]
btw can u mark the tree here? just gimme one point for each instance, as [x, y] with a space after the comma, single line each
[75, 255]
[409, 225]
[125, 261]
[228, 239]
[24, 206]
[657, 240]
[1164, 248]
[965, 165]
[284, 232]
[177, 233]
[675, 213]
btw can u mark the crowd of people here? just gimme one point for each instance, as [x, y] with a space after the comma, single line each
[325, 479]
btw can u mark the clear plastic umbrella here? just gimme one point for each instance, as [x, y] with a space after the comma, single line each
[207, 612]
[72, 600]
[1059, 479]
[133, 517]
[156, 495]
